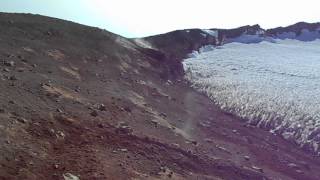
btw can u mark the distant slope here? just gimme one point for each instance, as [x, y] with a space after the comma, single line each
[186, 41]
[297, 29]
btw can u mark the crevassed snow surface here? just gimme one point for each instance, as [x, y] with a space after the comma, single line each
[271, 85]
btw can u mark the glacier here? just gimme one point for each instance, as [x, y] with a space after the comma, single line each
[274, 85]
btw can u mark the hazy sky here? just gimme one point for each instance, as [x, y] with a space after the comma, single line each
[135, 18]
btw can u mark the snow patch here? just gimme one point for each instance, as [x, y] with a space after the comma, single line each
[203, 34]
[201, 50]
[246, 38]
[287, 35]
[211, 32]
[143, 43]
[260, 32]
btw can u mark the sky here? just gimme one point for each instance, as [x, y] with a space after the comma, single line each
[138, 18]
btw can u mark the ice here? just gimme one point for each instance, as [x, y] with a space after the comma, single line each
[305, 35]
[275, 86]
[201, 50]
[206, 48]
[250, 38]
[286, 35]
[203, 34]
[260, 32]
[246, 38]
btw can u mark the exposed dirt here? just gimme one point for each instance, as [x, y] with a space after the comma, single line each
[81, 100]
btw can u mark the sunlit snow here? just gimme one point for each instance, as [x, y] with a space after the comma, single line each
[274, 85]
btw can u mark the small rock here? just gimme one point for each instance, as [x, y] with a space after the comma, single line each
[124, 150]
[175, 145]
[299, 171]
[20, 69]
[173, 99]
[246, 158]
[22, 120]
[10, 56]
[223, 149]
[194, 143]
[204, 124]
[61, 134]
[48, 84]
[122, 123]
[64, 119]
[2, 110]
[102, 107]
[77, 89]
[100, 125]
[52, 131]
[127, 109]
[59, 110]
[56, 166]
[124, 130]
[163, 114]
[155, 122]
[234, 131]
[208, 140]
[257, 169]
[13, 78]
[292, 165]
[69, 176]
[22, 58]
[94, 113]
[9, 63]
[163, 169]
[6, 70]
